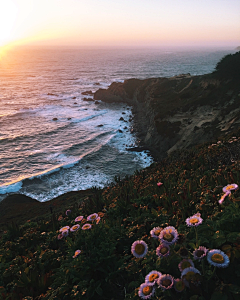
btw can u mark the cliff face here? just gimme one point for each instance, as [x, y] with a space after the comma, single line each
[178, 112]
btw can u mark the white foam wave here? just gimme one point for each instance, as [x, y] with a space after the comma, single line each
[10, 188]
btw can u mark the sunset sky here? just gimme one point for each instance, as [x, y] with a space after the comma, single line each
[152, 23]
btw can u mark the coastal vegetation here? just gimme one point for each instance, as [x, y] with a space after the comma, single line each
[61, 257]
[229, 66]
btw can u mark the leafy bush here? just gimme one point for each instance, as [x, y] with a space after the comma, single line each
[229, 66]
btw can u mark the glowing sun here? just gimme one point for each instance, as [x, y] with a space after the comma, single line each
[8, 14]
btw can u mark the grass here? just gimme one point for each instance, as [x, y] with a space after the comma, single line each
[37, 263]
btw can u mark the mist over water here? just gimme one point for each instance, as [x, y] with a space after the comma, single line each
[51, 140]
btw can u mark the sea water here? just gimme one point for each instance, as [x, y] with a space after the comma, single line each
[52, 141]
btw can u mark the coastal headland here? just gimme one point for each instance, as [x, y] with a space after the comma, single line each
[178, 112]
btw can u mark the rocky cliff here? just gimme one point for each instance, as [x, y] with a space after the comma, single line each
[178, 112]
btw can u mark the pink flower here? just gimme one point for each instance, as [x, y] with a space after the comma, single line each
[223, 197]
[159, 183]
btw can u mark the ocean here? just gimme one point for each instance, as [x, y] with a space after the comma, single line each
[52, 141]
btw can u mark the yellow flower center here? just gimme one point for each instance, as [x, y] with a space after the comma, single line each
[230, 187]
[193, 221]
[185, 264]
[168, 237]
[157, 232]
[86, 226]
[147, 290]
[139, 249]
[164, 250]
[93, 217]
[217, 258]
[166, 282]
[189, 275]
[152, 277]
[75, 227]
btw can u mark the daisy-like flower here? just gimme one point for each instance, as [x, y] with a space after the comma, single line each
[86, 226]
[64, 228]
[98, 220]
[75, 227]
[155, 232]
[68, 212]
[166, 282]
[152, 277]
[230, 187]
[223, 197]
[60, 236]
[77, 252]
[146, 290]
[64, 233]
[185, 263]
[200, 253]
[194, 220]
[159, 183]
[218, 258]
[168, 235]
[163, 250]
[92, 217]
[139, 249]
[188, 274]
[79, 219]
[179, 285]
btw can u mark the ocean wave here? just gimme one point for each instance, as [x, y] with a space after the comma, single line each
[10, 188]
[17, 185]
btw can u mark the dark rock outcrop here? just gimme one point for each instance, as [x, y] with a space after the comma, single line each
[87, 93]
[178, 112]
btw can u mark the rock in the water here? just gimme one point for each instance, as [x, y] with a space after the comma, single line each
[69, 118]
[100, 125]
[121, 119]
[97, 102]
[87, 99]
[119, 130]
[55, 119]
[87, 93]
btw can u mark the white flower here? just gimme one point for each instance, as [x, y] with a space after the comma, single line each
[152, 276]
[146, 290]
[92, 217]
[139, 249]
[86, 226]
[168, 235]
[218, 258]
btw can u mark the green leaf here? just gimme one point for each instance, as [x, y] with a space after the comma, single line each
[154, 212]
[231, 237]
[219, 238]
[192, 245]
[99, 290]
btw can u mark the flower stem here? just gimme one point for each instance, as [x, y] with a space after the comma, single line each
[196, 237]
[203, 270]
[212, 273]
